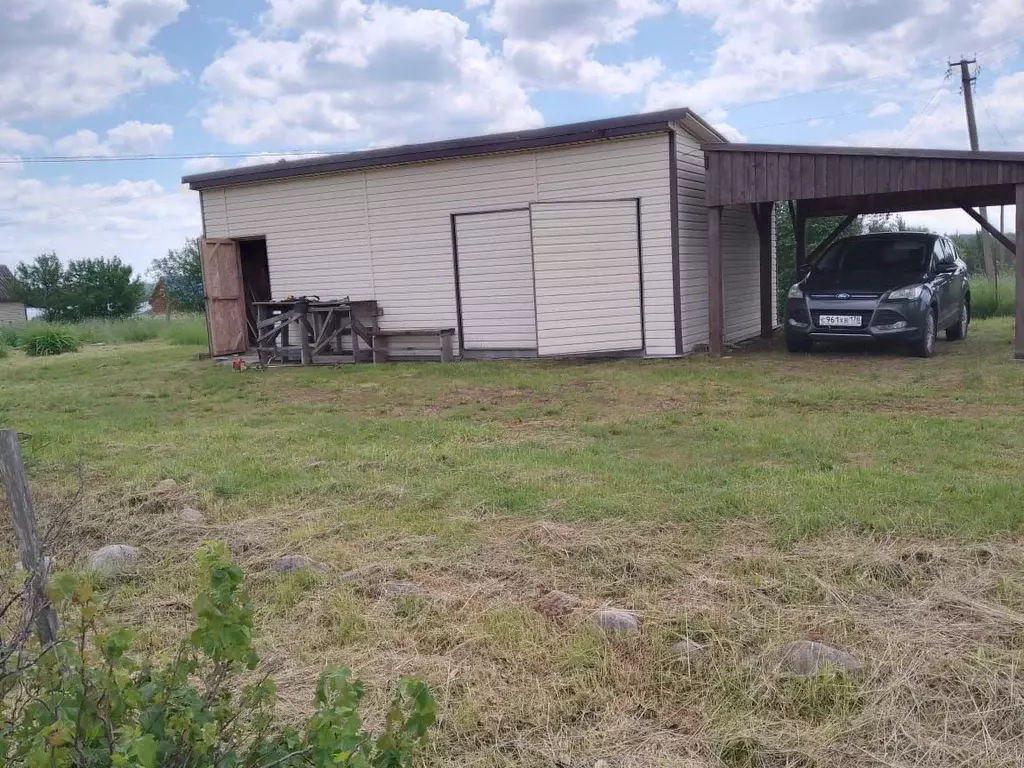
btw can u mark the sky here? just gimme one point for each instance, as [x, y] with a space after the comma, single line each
[105, 104]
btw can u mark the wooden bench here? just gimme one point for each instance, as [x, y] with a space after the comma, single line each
[381, 341]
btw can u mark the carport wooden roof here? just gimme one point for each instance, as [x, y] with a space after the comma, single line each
[832, 181]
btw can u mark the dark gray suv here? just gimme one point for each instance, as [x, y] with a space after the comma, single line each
[893, 286]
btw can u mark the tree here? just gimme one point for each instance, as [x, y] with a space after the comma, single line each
[40, 284]
[86, 288]
[101, 288]
[182, 273]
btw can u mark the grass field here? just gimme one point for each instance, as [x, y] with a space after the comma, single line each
[866, 500]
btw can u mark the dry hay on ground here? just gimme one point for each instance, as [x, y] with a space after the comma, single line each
[938, 623]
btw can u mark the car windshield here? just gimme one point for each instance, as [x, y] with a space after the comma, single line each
[887, 255]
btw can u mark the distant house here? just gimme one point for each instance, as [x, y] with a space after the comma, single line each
[158, 299]
[12, 311]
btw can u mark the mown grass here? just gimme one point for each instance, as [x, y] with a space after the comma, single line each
[864, 499]
[989, 299]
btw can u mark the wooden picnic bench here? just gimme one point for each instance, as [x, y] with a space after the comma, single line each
[382, 341]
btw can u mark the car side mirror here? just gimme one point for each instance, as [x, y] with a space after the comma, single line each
[946, 269]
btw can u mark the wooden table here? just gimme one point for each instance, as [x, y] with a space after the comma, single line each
[314, 332]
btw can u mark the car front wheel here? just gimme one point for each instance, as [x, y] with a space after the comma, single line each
[958, 332]
[926, 346]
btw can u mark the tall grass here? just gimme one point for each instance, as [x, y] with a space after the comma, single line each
[186, 330]
[986, 301]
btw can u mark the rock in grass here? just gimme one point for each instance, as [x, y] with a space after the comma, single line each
[166, 486]
[687, 651]
[295, 563]
[113, 560]
[616, 622]
[190, 515]
[806, 658]
[556, 603]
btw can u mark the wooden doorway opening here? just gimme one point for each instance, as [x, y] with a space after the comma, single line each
[252, 254]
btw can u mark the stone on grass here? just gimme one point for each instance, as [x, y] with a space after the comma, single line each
[401, 589]
[556, 603]
[165, 486]
[616, 622]
[296, 563]
[190, 515]
[806, 658]
[688, 651]
[113, 560]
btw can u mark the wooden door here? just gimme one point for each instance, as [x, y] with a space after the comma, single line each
[225, 298]
[586, 259]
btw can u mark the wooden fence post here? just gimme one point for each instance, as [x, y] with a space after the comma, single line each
[23, 515]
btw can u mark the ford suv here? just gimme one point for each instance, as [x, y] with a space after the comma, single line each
[893, 286]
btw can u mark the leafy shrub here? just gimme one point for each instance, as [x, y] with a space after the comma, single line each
[4, 350]
[89, 702]
[41, 339]
[10, 336]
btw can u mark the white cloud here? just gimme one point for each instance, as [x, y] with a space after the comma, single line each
[202, 164]
[67, 58]
[772, 48]
[553, 44]
[136, 220]
[131, 138]
[12, 138]
[329, 72]
[885, 109]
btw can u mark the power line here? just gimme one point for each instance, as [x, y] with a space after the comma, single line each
[912, 125]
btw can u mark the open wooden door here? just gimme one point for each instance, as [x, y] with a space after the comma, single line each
[225, 299]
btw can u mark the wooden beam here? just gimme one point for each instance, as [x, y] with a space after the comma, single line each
[716, 283]
[764, 234]
[800, 236]
[792, 214]
[1018, 339]
[23, 517]
[820, 247]
[992, 230]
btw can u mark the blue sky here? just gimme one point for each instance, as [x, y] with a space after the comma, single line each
[87, 86]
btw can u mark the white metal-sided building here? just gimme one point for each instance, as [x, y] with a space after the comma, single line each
[584, 239]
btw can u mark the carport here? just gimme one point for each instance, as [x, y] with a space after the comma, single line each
[848, 181]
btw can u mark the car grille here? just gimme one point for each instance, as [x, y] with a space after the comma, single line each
[865, 319]
[846, 296]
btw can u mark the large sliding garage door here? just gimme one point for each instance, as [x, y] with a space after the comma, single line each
[587, 270]
[496, 281]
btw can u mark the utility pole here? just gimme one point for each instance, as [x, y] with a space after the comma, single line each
[967, 79]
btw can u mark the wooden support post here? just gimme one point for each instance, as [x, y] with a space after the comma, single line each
[800, 236]
[262, 313]
[764, 214]
[1018, 338]
[988, 227]
[716, 283]
[305, 331]
[23, 515]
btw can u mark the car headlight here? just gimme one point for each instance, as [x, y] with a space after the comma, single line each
[796, 292]
[909, 293]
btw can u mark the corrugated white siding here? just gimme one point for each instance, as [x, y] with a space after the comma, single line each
[496, 280]
[385, 233]
[587, 267]
[740, 253]
[12, 313]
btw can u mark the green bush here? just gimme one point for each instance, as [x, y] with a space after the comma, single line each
[4, 350]
[42, 339]
[88, 702]
[987, 302]
[10, 335]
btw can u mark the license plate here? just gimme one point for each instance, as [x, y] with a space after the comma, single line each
[844, 321]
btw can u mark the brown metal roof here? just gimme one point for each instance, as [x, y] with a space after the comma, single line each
[835, 180]
[609, 128]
